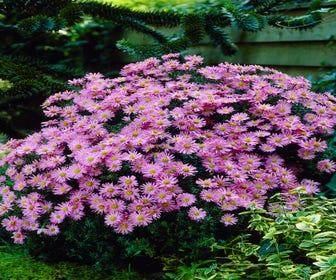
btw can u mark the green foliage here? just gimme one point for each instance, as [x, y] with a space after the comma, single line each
[291, 245]
[16, 264]
[145, 250]
[325, 82]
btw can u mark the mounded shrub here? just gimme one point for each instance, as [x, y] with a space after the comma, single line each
[167, 135]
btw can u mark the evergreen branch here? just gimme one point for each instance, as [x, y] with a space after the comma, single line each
[72, 13]
[243, 20]
[141, 51]
[261, 6]
[178, 45]
[22, 8]
[41, 24]
[218, 17]
[27, 79]
[193, 26]
[144, 28]
[115, 13]
[300, 22]
[145, 51]
[218, 36]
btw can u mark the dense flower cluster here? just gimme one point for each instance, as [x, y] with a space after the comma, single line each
[167, 134]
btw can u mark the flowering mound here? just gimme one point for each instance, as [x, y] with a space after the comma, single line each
[167, 134]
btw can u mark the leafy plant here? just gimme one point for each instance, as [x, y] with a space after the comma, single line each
[161, 160]
[290, 245]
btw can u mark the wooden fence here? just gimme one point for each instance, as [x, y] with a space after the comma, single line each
[298, 52]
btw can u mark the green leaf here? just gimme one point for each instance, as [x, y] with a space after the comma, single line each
[319, 274]
[324, 234]
[314, 218]
[332, 183]
[306, 244]
[321, 240]
[304, 226]
[322, 264]
[330, 246]
[279, 220]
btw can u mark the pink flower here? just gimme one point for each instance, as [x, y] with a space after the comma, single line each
[12, 223]
[124, 226]
[151, 170]
[128, 181]
[115, 205]
[185, 199]
[229, 219]
[306, 154]
[57, 217]
[112, 219]
[196, 214]
[109, 190]
[163, 196]
[186, 146]
[326, 165]
[142, 218]
[18, 237]
[130, 193]
[51, 230]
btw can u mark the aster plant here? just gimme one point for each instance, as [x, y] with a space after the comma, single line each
[167, 135]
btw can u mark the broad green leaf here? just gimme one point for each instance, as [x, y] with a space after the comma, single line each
[332, 260]
[322, 264]
[319, 274]
[324, 234]
[279, 220]
[330, 246]
[304, 226]
[321, 240]
[306, 244]
[316, 218]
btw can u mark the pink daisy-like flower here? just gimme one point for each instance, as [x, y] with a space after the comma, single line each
[18, 237]
[63, 207]
[124, 226]
[109, 190]
[185, 199]
[151, 170]
[326, 165]
[186, 170]
[76, 171]
[308, 187]
[267, 148]
[229, 219]
[196, 214]
[115, 205]
[130, 193]
[5, 207]
[12, 223]
[149, 188]
[186, 146]
[166, 181]
[306, 154]
[88, 183]
[57, 217]
[141, 218]
[206, 183]
[112, 219]
[163, 196]
[61, 174]
[51, 230]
